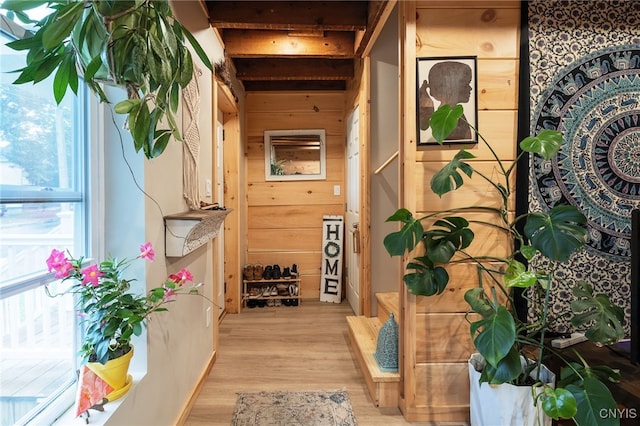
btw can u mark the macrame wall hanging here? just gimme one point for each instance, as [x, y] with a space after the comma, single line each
[191, 144]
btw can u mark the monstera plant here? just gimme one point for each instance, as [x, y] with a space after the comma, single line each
[134, 44]
[503, 339]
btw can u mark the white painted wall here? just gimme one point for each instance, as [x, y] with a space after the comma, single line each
[179, 345]
[384, 143]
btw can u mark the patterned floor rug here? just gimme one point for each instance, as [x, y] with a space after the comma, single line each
[293, 409]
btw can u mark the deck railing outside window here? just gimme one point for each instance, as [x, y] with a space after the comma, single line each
[44, 174]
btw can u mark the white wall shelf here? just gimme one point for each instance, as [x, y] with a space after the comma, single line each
[185, 232]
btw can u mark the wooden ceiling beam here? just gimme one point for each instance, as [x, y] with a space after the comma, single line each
[378, 10]
[294, 69]
[289, 15]
[261, 43]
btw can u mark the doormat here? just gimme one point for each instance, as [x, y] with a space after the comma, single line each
[331, 408]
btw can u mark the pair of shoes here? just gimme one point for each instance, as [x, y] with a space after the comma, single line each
[272, 272]
[294, 271]
[247, 272]
[252, 272]
[293, 291]
[276, 272]
[267, 274]
[286, 273]
[258, 269]
[269, 290]
[252, 303]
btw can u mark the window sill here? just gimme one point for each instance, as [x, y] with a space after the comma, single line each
[96, 418]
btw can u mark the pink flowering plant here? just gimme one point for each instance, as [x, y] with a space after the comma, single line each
[111, 315]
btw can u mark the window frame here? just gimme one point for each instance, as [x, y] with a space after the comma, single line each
[88, 132]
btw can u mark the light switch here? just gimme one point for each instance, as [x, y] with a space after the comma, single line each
[336, 189]
[207, 188]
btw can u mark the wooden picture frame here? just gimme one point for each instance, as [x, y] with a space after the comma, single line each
[447, 80]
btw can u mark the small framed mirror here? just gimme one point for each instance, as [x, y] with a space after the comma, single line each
[295, 154]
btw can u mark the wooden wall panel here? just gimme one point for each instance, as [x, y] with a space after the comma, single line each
[474, 191]
[486, 33]
[333, 125]
[294, 217]
[497, 84]
[464, 276]
[291, 193]
[311, 286]
[297, 102]
[488, 238]
[284, 219]
[435, 381]
[446, 337]
[289, 240]
[494, 125]
[442, 384]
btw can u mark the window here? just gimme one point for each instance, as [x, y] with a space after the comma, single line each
[43, 205]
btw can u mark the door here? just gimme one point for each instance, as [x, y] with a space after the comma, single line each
[352, 220]
[219, 240]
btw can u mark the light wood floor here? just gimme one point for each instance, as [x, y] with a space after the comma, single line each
[286, 348]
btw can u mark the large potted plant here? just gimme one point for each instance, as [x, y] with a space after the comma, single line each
[134, 44]
[110, 315]
[512, 351]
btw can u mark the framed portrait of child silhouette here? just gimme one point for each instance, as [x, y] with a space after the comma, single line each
[447, 80]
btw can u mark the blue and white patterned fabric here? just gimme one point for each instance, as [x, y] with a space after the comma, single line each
[585, 82]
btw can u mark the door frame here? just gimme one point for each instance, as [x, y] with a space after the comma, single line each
[226, 103]
[360, 97]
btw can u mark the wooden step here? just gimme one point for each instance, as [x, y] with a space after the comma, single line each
[384, 387]
[387, 303]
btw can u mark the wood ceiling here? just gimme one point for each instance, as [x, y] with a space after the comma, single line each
[295, 45]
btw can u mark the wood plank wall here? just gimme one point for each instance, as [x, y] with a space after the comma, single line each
[284, 219]
[436, 384]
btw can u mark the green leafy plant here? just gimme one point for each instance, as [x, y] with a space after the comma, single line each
[277, 168]
[134, 44]
[500, 336]
[110, 314]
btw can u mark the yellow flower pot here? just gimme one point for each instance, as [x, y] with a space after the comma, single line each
[115, 373]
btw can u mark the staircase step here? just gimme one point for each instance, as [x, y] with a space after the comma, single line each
[384, 387]
[387, 303]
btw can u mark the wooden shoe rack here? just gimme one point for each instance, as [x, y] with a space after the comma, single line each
[251, 287]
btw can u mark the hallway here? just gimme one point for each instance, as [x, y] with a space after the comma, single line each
[286, 348]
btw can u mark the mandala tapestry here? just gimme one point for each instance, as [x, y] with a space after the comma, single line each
[585, 82]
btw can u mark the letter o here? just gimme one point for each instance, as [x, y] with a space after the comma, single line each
[332, 253]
